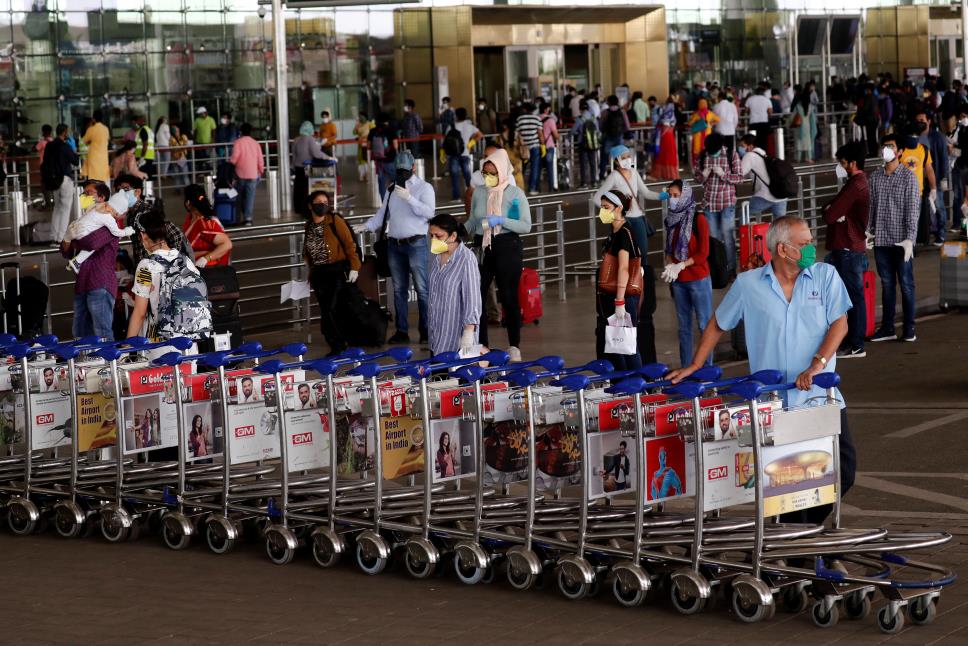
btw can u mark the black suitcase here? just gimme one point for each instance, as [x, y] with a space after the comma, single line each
[230, 323]
[23, 303]
[223, 293]
[361, 321]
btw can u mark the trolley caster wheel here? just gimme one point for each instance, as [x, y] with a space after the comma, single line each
[686, 604]
[176, 531]
[490, 574]
[795, 600]
[922, 611]
[116, 524]
[629, 596]
[281, 544]
[421, 557]
[857, 605]
[327, 547]
[573, 589]
[134, 532]
[69, 519]
[417, 568]
[372, 552]
[889, 623]
[370, 564]
[524, 568]
[221, 535]
[470, 573]
[824, 618]
[22, 516]
[521, 580]
[750, 611]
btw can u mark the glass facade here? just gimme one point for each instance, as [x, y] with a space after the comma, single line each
[60, 59]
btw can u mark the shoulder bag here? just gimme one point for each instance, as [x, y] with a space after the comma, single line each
[380, 250]
[608, 274]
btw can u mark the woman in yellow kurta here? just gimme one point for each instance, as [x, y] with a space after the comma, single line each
[701, 124]
[97, 139]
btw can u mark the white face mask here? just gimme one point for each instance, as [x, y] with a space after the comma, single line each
[963, 122]
[325, 119]
[225, 121]
[625, 163]
[481, 106]
[888, 155]
[840, 172]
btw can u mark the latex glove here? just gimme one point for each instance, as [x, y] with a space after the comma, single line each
[664, 195]
[932, 200]
[359, 228]
[944, 184]
[127, 231]
[908, 247]
[494, 221]
[869, 238]
[842, 218]
[201, 262]
[964, 210]
[352, 276]
[467, 341]
[402, 192]
[620, 312]
[719, 171]
[674, 270]
[666, 276]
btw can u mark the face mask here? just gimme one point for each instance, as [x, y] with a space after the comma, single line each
[888, 155]
[625, 163]
[606, 216]
[438, 246]
[922, 126]
[402, 176]
[320, 209]
[715, 154]
[225, 121]
[87, 201]
[490, 181]
[963, 123]
[325, 119]
[132, 199]
[406, 108]
[481, 106]
[808, 256]
[840, 172]
[742, 151]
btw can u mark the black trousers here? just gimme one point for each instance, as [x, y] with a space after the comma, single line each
[848, 471]
[300, 191]
[762, 131]
[326, 281]
[645, 336]
[503, 263]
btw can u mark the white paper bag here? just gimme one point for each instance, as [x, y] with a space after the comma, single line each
[620, 336]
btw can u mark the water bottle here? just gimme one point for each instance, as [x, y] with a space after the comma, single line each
[514, 213]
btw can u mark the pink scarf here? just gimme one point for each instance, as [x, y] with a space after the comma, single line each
[495, 196]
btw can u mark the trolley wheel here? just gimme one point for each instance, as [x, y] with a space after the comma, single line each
[922, 611]
[824, 618]
[134, 532]
[857, 605]
[418, 568]
[521, 580]
[217, 540]
[324, 553]
[370, 564]
[490, 574]
[469, 574]
[114, 530]
[21, 521]
[795, 600]
[175, 538]
[750, 612]
[684, 603]
[67, 526]
[890, 624]
[573, 590]
[630, 597]
[278, 550]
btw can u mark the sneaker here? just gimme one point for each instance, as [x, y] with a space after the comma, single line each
[909, 337]
[515, 354]
[399, 338]
[937, 243]
[851, 353]
[247, 223]
[883, 335]
[532, 192]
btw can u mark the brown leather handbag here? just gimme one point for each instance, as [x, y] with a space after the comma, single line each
[608, 274]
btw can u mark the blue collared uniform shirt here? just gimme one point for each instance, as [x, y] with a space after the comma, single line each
[408, 218]
[785, 335]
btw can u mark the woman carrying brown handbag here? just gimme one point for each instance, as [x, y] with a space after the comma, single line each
[619, 277]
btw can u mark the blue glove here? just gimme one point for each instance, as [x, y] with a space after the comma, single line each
[494, 221]
[664, 195]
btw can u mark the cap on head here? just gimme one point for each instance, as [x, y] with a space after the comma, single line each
[404, 160]
[201, 110]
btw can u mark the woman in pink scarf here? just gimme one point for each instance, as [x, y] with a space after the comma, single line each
[499, 214]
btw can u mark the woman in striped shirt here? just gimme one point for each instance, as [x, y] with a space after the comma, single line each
[454, 302]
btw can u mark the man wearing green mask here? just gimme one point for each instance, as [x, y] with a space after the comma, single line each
[795, 316]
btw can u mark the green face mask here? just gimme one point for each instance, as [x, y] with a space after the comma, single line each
[808, 256]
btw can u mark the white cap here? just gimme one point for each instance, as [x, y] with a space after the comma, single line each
[201, 110]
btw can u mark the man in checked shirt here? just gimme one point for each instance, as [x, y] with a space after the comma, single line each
[895, 205]
[719, 171]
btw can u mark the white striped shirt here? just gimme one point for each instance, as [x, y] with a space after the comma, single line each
[454, 299]
[529, 125]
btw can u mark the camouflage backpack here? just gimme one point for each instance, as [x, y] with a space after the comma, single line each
[183, 306]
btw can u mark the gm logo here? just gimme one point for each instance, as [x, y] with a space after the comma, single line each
[717, 473]
[245, 431]
[302, 438]
[46, 418]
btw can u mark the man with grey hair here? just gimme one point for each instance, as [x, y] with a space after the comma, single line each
[795, 319]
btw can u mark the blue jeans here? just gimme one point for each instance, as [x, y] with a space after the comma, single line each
[692, 296]
[94, 314]
[939, 221]
[892, 269]
[606, 307]
[534, 167]
[409, 258]
[722, 226]
[759, 204]
[246, 189]
[851, 266]
[549, 164]
[458, 165]
[606, 160]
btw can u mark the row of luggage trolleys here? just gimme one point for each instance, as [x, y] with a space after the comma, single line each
[380, 457]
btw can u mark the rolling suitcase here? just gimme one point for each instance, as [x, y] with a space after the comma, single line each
[529, 297]
[753, 252]
[870, 302]
[954, 276]
[223, 293]
[225, 204]
[23, 303]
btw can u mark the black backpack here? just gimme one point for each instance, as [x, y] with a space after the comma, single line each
[50, 175]
[453, 143]
[614, 125]
[718, 270]
[782, 177]
[361, 321]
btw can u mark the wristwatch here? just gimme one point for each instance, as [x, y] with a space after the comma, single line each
[819, 357]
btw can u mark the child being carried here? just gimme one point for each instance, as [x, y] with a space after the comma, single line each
[100, 211]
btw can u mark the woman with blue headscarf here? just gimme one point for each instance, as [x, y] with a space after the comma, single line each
[305, 152]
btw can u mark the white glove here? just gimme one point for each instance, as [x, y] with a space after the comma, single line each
[944, 184]
[932, 200]
[666, 276]
[360, 228]
[719, 171]
[201, 262]
[964, 210]
[127, 231]
[672, 271]
[403, 193]
[908, 247]
[352, 276]
[467, 341]
[705, 173]
[842, 218]
[620, 312]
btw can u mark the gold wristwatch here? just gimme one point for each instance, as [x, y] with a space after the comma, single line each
[819, 357]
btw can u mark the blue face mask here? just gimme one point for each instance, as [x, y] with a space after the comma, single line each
[132, 199]
[741, 151]
[715, 154]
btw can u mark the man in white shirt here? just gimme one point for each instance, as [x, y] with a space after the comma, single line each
[760, 108]
[461, 165]
[575, 105]
[728, 120]
[593, 105]
[753, 165]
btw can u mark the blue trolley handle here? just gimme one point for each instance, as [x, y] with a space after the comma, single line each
[176, 358]
[115, 352]
[220, 359]
[423, 369]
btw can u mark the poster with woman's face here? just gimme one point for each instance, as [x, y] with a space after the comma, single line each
[149, 423]
[453, 449]
[204, 433]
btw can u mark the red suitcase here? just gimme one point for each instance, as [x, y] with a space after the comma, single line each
[752, 246]
[529, 296]
[870, 302]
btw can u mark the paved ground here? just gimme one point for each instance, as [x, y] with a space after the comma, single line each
[907, 411]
